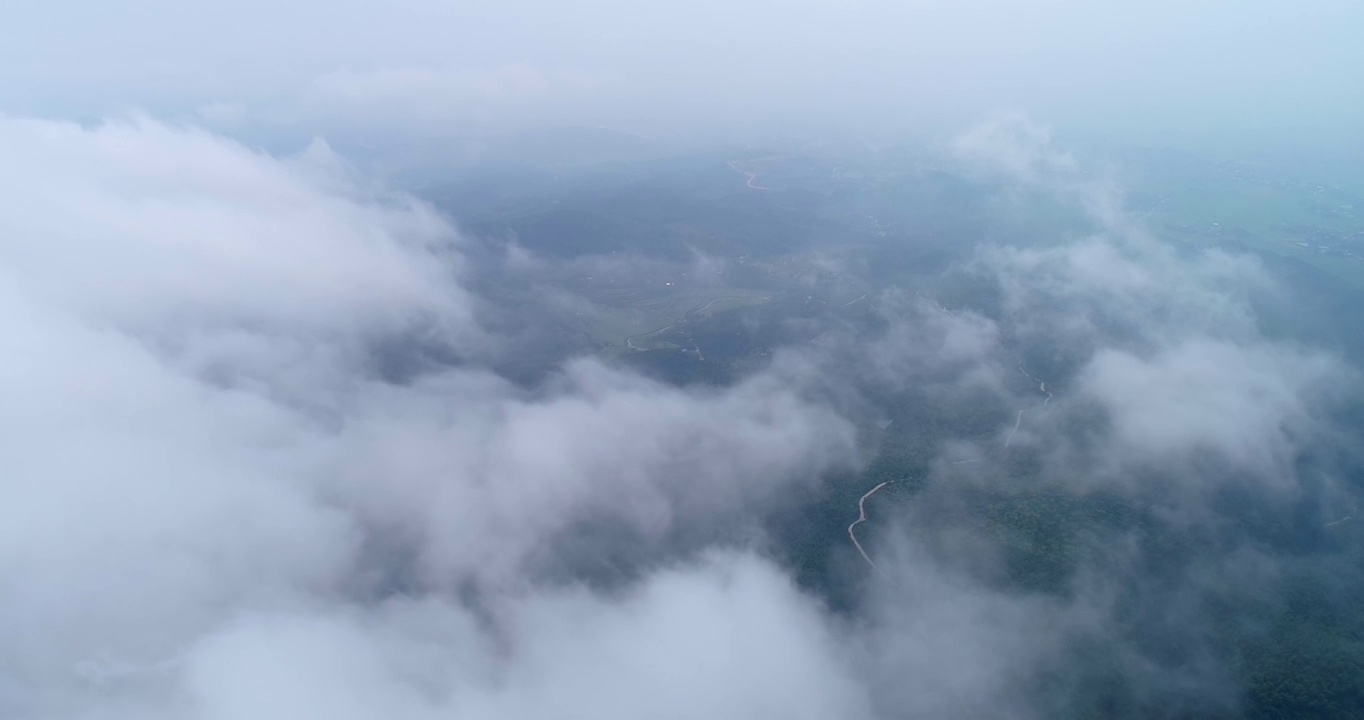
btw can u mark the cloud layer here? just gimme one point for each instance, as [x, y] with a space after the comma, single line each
[218, 508]
[219, 503]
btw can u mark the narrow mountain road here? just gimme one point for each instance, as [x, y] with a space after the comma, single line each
[1042, 386]
[752, 176]
[1354, 509]
[1017, 421]
[861, 518]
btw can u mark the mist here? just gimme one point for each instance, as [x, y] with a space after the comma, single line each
[523, 360]
[1235, 76]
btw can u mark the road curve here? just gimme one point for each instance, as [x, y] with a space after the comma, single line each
[1042, 386]
[861, 518]
[752, 176]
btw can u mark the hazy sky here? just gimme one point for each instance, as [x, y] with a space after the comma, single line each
[1257, 70]
[216, 506]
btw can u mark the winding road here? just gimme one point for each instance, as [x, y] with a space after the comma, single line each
[1354, 509]
[861, 518]
[703, 308]
[630, 341]
[1041, 385]
[1017, 421]
[862, 502]
[752, 176]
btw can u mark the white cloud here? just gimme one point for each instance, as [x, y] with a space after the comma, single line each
[1249, 404]
[726, 638]
[140, 223]
[208, 490]
[1163, 340]
[216, 509]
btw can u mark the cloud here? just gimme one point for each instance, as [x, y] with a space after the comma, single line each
[683, 644]
[220, 504]
[1251, 405]
[603, 447]
[156, 221]
[1163, 340]
[218, 507]
[1151, 445]
[922, 340]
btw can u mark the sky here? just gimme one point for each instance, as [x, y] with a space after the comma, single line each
[1240, 74]
[217, 504]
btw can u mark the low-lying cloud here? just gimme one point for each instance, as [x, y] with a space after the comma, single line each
[210, 488]
[219, 505]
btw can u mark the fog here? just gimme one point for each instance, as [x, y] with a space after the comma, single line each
[202, 470]
[275, 439]
[1239, 75]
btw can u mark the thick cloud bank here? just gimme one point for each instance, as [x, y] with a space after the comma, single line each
[221, 501]
[214, 506]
